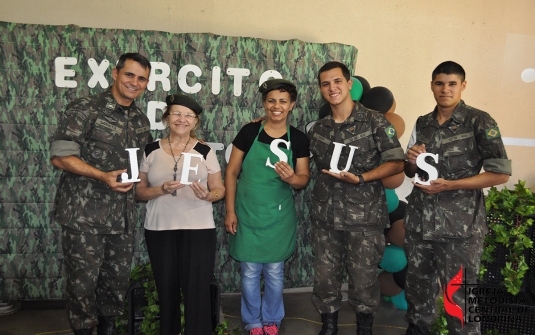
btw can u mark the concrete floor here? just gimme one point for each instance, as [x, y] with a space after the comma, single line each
[301, 318]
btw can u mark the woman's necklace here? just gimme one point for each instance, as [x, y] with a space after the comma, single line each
[176, 160]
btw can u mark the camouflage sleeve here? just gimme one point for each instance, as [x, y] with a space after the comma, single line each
[394, 154]
[386, 138]
[63, 148]
[74, 127]
[498, 165]
[490, 145]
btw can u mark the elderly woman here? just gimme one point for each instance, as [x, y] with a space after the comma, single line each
[271, 159]
[180, 178]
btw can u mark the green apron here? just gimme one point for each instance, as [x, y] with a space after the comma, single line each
[265, 208]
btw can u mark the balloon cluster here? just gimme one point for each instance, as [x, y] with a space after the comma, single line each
[394, 262]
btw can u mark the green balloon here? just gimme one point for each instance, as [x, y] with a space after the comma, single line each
[356, 89]
[400, 301]
[392, 199]
[394, 259]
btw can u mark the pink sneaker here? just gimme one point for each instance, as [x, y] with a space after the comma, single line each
[271, 330]
[256, 331]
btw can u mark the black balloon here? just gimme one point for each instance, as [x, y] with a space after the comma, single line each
[378, 98]
[399, 277]
[325, 110]
[398, 214]
[365, 84]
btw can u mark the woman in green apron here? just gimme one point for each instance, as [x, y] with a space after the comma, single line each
[270, 159]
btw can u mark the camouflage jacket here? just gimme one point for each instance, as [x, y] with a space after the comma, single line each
[345, 206]
[465, 143]
[97, 130]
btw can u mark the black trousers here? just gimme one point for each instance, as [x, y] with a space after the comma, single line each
[183, 259]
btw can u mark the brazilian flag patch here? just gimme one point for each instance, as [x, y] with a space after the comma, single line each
[493, 132]
[391, 131]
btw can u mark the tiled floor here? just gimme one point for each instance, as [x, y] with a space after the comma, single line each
[301, 318]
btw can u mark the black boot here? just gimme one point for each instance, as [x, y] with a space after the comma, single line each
[417, 330]
[88, 331]
[330, 323]
[106, 325]
[364, 324]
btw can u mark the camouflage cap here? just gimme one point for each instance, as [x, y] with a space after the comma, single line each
[184, 100]
[271, 84]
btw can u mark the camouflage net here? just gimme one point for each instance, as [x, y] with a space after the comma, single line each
[30, 245]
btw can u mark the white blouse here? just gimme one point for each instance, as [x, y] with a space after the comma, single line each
[185, 210]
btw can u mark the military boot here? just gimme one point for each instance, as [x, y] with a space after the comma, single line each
[106, 325]
[364, 324]
[329, 323]
[417, 330]
[88, 331]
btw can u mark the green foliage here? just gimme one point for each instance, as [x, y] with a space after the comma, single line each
[223, 329]
[440, 325]
[508, 222]
[150, 325]
[121, 322]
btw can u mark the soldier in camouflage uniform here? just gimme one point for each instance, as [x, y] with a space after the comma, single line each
[96, 210]
[349, 210]
[446, 222]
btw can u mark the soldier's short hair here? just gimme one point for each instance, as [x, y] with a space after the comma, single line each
[137, 57]
[333, 65]
[449, 67]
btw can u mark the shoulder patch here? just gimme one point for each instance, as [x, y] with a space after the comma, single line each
[151, 147]
[203, 149]
[390, 131]
[493, 132]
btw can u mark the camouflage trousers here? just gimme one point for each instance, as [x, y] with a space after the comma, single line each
[357, 253]
[98, 269]
[429, 261]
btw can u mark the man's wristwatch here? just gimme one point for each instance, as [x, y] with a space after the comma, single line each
[361, 179]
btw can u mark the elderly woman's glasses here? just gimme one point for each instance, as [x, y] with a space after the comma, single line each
[188, 116]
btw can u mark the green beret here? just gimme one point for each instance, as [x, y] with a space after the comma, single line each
[272, 84]
[184, 100]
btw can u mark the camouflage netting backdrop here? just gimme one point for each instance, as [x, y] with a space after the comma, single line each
[30, 102]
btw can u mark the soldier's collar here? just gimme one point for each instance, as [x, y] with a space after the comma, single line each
[458, 113]
[112, 104]
[327, 120]
[457, 116]
[358, 113]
